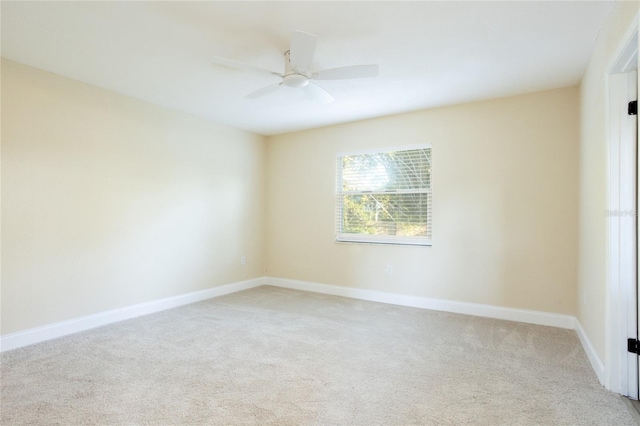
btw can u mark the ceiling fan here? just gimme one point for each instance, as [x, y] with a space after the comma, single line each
[297, 61]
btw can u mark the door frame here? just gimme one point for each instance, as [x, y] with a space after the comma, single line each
[621, 367]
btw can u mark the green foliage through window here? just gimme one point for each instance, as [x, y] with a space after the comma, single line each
[385, 196]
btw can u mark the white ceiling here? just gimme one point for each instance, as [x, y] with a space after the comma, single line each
[430, 53]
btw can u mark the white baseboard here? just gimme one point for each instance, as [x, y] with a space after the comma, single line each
[63, 328]
[488, 311]
[592, 355]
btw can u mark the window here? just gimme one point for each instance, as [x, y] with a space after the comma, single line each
[385, 196]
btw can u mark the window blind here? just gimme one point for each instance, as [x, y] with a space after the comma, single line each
[385, 197]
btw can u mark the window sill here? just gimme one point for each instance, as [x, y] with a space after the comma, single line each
[357, 239]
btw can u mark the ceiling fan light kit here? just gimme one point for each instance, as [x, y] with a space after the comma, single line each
[295, 80]
[297, 62]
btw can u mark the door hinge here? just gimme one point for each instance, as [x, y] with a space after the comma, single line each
[633, 346]
[633, 108]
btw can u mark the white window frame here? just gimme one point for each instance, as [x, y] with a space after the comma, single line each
[379, 239]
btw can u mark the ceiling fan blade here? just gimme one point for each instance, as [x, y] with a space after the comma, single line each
[319, 94]
[264, 91]
[242, 66]
[303, 45]
[355, 71]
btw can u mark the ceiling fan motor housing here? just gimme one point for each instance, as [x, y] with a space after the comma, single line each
[295, 80]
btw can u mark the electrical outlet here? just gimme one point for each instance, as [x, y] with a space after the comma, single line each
[389, 270]
[243, 261]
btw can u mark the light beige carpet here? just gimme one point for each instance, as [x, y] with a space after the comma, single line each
[271, 356]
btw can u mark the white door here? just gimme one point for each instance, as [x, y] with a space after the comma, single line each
[629, 215]
[635, 85]
[622, 370]
[623, 260]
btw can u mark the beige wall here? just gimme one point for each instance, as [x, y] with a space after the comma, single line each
[592, 275]
[108, 201]
[505, 191]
